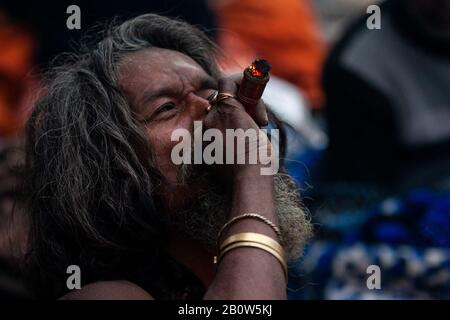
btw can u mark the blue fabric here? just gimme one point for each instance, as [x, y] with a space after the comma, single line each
[407, 236]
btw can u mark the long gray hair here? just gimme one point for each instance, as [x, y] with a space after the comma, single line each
[90, 177]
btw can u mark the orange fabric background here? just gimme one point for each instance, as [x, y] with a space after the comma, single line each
[16, 47]
[284, 32]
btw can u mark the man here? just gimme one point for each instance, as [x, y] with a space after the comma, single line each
[106, 196]
[388, 96]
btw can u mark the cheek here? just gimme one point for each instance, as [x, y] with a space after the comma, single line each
[162, 146]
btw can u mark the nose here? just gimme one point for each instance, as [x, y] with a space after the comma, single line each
[198, 107]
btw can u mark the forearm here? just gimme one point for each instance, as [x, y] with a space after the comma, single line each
[250, 273]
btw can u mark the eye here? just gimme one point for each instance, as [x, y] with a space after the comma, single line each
[165, 111]
[165, 108]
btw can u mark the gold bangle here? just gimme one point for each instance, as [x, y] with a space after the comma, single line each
[258, 240]
[254, 216]
[258, 245]
[255, 237]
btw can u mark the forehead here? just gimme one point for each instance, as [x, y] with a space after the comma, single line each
[155, 68]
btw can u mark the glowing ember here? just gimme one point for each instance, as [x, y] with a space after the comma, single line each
[259, 68]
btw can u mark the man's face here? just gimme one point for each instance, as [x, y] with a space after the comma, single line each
[168, 90]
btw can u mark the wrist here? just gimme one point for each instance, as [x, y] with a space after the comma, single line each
[251, 175]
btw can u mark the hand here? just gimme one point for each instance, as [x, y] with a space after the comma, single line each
[231, 114]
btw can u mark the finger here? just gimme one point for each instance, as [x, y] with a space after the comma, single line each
[257, 112]
[228, 85]
[236, 78]
[260, 114]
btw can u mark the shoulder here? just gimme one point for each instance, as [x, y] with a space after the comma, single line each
[109, 290]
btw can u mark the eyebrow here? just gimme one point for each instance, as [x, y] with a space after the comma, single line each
[207, 82]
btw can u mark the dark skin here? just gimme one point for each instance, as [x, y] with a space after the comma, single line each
[169, 90]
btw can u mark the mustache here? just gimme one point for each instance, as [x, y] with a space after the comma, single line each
[188, 173]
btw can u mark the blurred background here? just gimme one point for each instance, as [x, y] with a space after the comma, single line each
[367, 114]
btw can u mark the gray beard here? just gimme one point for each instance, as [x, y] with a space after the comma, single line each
[203, 220]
